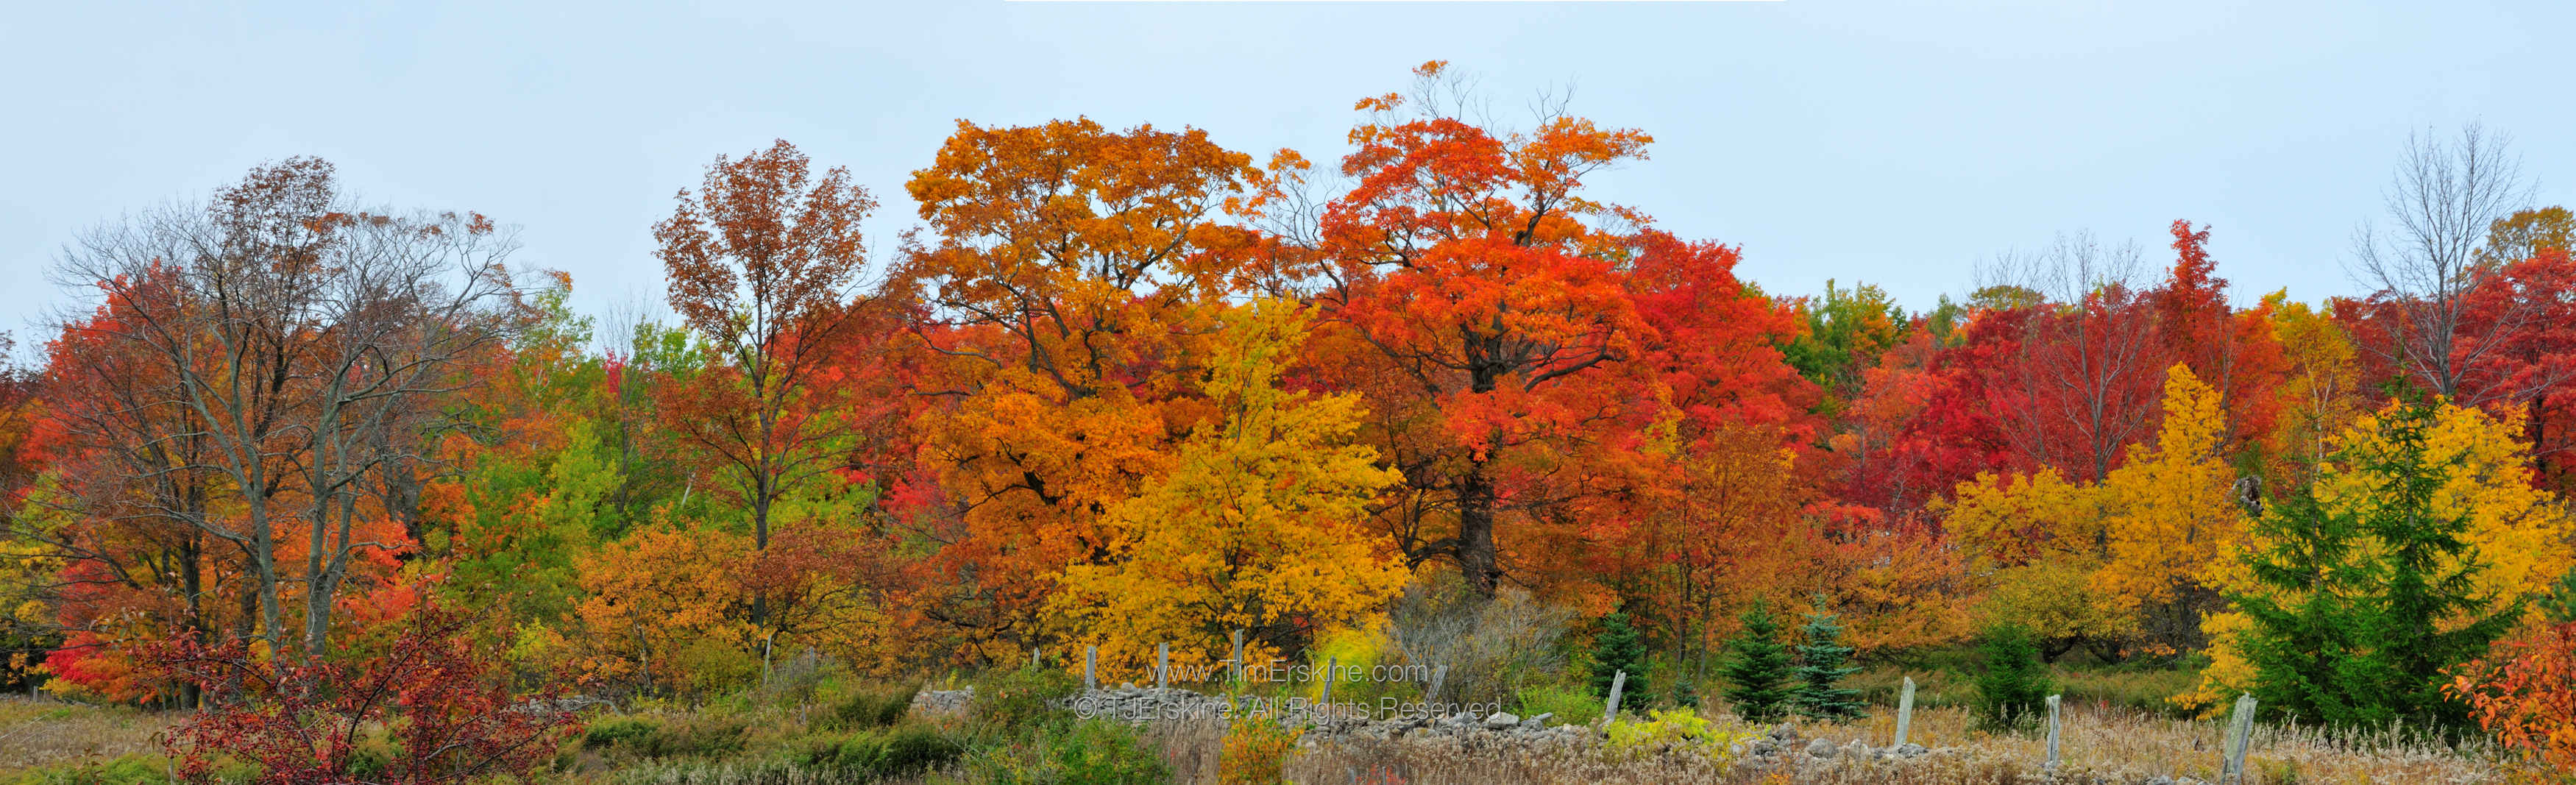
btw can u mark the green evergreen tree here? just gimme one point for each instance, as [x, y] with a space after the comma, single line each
[1757, 676]
[2013, 689]
[1822, 664]
[1618, 649]
[2364, 607]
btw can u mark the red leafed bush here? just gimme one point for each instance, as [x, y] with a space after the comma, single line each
[439, 696]
[2525, 693]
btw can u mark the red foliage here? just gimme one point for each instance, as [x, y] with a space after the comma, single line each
[452, 717]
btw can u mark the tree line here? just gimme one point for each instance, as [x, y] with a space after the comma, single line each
[1124, 387]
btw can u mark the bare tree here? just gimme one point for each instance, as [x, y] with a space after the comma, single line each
[2424, 265]
[2087, 368]
[292, 340]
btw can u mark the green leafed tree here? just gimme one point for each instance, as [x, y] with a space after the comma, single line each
[1757, 675]
[2363, 606]
[1617, 649]
[2013, 687]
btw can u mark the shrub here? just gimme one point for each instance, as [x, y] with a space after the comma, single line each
[873, 707]
[1675, 729]
[441, 695]
[1021, 698]
[2011, 690]
[1099, 752]
[1255, 748]
[1089, 752]
[700, 736]
[614, 732]
[1492, 648]
[858, 752]
[1571, 705]
[914, 748]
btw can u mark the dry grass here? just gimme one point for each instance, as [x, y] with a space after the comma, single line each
[42, 732]
[2121, 746]
[2100, 745]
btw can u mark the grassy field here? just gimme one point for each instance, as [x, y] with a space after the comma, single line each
[50, 734]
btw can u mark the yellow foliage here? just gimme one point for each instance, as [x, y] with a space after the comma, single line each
[1258, 525]
[2318, 391]
[2055, 602]
[660, 606]
[2170, 511]
[2002, 521]
[2519, 533]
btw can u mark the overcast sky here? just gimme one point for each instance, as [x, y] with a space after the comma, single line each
[1899, 143]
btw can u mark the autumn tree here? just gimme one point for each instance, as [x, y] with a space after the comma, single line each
[1064, 302]
[760, 261]
[2418, 544]
[1470, 261]
[2233, 352]
[1259, 525]
[2079, 374]
[2173, 514]
[298, 339]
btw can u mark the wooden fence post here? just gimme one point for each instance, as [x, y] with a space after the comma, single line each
[1162, 665]
[1237, 667]
[2052, 731]
[1618, 681]
[2240, 735]
[1905, 711]
[1090, 657]
[1332, 668]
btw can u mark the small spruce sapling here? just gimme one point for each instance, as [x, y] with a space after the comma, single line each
[2012, 689]
[1618, 649]
[1823, 662]
[1758, 673]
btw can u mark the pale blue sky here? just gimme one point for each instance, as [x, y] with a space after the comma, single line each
[1893, 142]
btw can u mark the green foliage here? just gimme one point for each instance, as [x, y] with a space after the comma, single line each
[901, 750]
[122, 770]
[1616, 649]
[914, 748]
[1090, 752]
[2559, 606]
[872, 707]
[1572, 705]
[1823, 662]
[2012, 689]
[1016, 699]
[1757, 673]
[697, 736]
[2362, 609]
[615, 732]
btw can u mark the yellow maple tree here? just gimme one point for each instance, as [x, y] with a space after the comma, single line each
[1258, 525]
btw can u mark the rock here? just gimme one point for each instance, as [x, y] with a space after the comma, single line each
[1501, 720]
[1905, 751]
[1783, 733]
[1856, 749]
[1542, 717]
[1820, 748]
